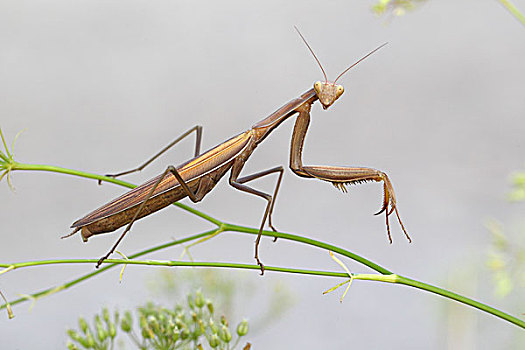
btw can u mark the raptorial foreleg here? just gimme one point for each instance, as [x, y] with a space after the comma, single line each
[340, 177]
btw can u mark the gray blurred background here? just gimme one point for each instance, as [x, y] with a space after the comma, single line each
[100, 86]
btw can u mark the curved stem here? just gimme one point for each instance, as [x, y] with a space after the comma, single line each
[172, 263]
[312, 242]
[391, 278]
[444, 293]
[385, 275]
[87, 276]
[464, 300]
[513, 10]
[60, 170]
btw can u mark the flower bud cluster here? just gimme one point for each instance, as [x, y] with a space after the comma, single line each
[190, 326]
[98, 336]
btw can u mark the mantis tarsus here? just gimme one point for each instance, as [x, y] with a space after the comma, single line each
[196, 177]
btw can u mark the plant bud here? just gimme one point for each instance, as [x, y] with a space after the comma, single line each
[142, 322]
[213, 326]
[176, 335]
[184, 333]
[202, 327]
[171, 325]
[179, 323]
[145, 330]
[105, 314]
[197, 332]
[101, 331]
[71, 346]
[225, 334]
[209, 305]
[90, 340]
[214, 341]
[199, 299]
[112, 330]
[190, 302]
[242, 328]
[74, 335]
[83, 325]
[153, 324]
[125, 325]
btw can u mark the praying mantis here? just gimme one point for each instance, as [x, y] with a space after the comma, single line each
[198, 176]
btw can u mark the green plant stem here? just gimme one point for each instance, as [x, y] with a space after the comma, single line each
[312, 242]
[87, 276]
[60, 170]
[384, 276]
[172, 263]
[391, 278]
[224, 226]
[513, 10]
[443, 292]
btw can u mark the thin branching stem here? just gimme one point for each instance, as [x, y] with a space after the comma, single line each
[390, 278]
[383, 276]
[513, 10]
[312, 242]
[173, 263]
[56, 169]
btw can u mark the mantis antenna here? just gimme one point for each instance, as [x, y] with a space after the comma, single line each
[312, 51]
[353, 65]
[347, 69]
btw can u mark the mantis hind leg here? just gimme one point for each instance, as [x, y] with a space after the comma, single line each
[198, 140]
[205, 184]
[239, 184]
[340, 177]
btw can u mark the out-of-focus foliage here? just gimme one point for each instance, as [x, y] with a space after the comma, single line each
[230, 290]
[506, 257]
[518, 187]
[190, 325]
[503, 275]
[395, 7]
[506, 260]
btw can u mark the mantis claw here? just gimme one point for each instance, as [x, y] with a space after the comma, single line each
[388, 227]
[101, 260]
[381, 210]
[386, 196]
[107, 175]
[260, 264]
[389, 199]
[274, 230]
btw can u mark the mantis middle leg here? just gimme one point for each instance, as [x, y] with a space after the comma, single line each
[238, 183]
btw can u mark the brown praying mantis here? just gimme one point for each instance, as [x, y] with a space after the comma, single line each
[196, 177]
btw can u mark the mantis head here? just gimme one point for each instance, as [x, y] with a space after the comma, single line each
[327, 92]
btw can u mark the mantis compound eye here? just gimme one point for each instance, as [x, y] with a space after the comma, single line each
[317, 87]
[339, 90]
